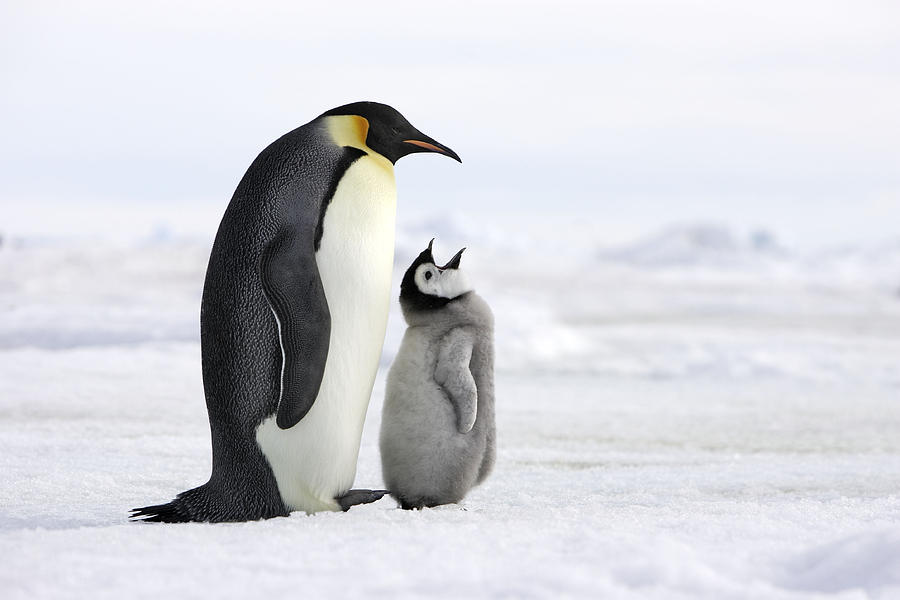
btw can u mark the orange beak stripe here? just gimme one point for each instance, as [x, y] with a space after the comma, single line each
[425, 145]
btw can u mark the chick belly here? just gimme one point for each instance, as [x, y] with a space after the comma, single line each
[423, 454]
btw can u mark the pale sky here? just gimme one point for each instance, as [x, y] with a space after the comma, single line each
[633, 115]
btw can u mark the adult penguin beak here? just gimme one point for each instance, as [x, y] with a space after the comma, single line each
[454, 262]
[426, 144]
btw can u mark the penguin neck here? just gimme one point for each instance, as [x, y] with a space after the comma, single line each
[351, 130]
[466, 309]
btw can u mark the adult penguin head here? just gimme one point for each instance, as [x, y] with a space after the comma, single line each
[389, 133]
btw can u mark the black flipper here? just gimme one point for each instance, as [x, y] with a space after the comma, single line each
[354, 497]
[290, 279]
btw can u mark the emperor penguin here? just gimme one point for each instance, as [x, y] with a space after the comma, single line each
[437, 425]
[293, 317]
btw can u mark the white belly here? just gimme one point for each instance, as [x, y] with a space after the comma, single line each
[315, 460]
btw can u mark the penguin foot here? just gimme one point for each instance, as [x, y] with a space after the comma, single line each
[354, 497]
[420, 502]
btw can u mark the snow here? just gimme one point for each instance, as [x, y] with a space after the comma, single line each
[702, 413]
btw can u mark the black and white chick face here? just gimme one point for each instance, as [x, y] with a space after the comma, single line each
[427, 286]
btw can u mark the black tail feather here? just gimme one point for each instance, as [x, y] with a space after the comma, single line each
[160, 513]
[192, 505]
[212, 504]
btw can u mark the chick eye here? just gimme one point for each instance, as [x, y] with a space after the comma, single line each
[428, 275]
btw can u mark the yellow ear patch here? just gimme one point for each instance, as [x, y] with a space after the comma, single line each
[351, 130]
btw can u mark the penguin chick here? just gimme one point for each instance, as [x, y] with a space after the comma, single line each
[437, 427]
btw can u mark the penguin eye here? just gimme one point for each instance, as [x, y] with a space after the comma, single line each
[428, 275]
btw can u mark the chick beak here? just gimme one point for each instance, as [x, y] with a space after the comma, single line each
[454, 262]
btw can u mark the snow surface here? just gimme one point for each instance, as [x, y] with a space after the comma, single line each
[700, 414]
